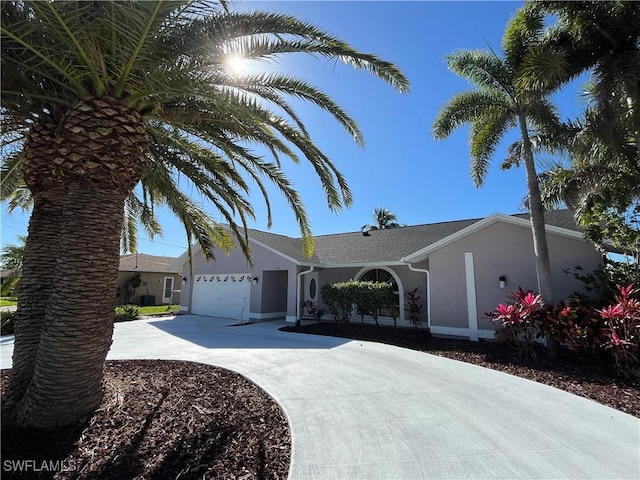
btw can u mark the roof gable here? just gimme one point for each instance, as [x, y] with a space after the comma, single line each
[520, 220]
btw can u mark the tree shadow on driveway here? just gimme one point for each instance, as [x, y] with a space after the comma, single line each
[213, 332]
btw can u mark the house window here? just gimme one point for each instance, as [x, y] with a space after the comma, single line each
[312, 289]
[379, 275]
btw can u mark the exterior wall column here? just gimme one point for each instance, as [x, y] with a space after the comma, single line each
[472, 309]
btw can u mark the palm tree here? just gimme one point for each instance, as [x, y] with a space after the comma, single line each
[601, 183]
[500, 102]
[142, 90]
[601, 37]
[385, 218]
[12, 256]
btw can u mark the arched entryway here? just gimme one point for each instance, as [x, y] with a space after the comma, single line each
[384, 274]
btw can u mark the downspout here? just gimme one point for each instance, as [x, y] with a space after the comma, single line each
[422, 270]
[299, 295]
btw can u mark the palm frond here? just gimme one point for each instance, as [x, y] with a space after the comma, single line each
[486, 132]
[483, 69]
[464, 108]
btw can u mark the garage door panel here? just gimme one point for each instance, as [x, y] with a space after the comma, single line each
[221, 295]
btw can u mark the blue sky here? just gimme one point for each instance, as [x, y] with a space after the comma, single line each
[402, 167]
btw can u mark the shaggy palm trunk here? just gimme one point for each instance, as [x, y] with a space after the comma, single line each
[100, 148]
[538, 228]
[41, 249]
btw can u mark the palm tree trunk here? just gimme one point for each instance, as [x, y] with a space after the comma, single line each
[100, 149]
[41, 249]
[68, 375]
[536, 214]
[538, 228]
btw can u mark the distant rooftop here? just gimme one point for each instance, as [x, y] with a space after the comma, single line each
[141, 262]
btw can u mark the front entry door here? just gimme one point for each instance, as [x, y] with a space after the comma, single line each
[167, 291]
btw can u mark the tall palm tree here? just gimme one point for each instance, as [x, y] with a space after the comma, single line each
[601, 37]
[499, 103]
[137, 89]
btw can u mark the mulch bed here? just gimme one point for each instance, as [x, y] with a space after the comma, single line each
[160, 420]
[588, 379]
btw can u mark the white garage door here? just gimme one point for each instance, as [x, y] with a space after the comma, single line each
[222, 295]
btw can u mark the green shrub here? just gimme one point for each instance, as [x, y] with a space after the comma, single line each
[368, 297]
[6, 323]
[339, 298]
[371, 298]
[127, 313]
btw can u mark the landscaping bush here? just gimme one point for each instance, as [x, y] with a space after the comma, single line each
[371, 298]
[368, 297]
[601, 285]
[312, 309]
[614, 329]
[579, 327]
[622, 320]
[340, 298]
[413, 306]
[127, 313]
[6, 323]
[519, 320]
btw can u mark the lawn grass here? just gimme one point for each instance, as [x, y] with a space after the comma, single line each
[147, 310]
[8, 301]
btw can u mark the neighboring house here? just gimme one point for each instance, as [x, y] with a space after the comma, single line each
[160, 280]
[461, 269]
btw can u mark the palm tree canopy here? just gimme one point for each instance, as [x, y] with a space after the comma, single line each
[492, 108]
[385, 218]
[584, 35]
[167, 60]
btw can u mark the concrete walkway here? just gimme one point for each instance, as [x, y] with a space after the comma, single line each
[361, 410]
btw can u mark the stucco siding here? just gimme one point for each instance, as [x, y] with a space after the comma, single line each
[566, 254]
[448, 290]
[500, 249]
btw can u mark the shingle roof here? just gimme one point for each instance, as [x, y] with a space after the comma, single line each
[389, 245]
[141, 262]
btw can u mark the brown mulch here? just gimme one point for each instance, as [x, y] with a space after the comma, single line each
[160, 420]
[590, 379]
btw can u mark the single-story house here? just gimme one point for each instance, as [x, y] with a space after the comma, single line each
[460, 268]
[149, 280]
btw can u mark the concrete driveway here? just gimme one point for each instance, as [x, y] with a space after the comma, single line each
[361, 410]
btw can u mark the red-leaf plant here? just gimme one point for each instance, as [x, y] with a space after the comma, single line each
[622, 320]
[520, 319]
